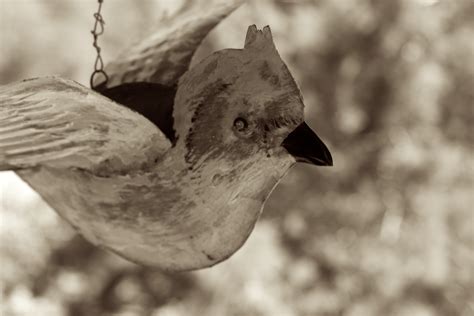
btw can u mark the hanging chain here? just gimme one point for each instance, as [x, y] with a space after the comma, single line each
[96, 32]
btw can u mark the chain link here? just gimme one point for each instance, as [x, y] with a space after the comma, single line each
[96, 32]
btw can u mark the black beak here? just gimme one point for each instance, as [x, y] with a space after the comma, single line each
[305, 146]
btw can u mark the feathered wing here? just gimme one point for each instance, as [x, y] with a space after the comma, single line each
[58, 122]
[165, 55]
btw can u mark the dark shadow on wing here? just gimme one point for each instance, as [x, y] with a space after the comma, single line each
[152, 100]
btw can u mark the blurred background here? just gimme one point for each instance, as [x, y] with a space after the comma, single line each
[389, 230]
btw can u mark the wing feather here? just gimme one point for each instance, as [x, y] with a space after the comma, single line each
[165, 55]
[58, 122]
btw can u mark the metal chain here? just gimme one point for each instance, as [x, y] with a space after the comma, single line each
[96, 32]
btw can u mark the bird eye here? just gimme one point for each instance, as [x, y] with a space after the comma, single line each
[241, 124]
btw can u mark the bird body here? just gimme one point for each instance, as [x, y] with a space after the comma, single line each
[165, 216]
[176, 203]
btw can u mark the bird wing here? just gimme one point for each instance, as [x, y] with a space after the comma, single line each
[165, 55]
[58, 122]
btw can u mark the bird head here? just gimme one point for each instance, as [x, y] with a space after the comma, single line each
[240, 104]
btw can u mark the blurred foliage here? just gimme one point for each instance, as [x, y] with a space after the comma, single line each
[389, 230]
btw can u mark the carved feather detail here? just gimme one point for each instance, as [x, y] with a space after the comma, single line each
[54, 121]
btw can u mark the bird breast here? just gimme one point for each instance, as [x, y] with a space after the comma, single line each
[178, 221]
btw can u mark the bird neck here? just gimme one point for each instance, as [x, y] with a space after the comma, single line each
[224, 180]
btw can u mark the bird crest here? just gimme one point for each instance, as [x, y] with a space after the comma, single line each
[259, 39]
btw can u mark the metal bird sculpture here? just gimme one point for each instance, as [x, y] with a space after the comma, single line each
[178, 183]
